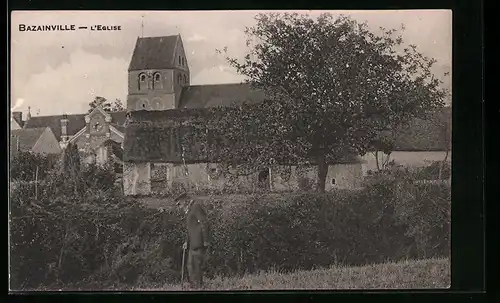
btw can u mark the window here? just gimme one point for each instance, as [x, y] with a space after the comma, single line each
[157, 80]
[179, 79]
[333, 181]
[142, 80]
[185, 79]
[180, 63]
[142, 104]
[183, 61]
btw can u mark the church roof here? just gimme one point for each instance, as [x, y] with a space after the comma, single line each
[27, 138]
[205, 96]
[154, 53]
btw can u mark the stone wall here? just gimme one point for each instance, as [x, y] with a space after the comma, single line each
[339, 176]
[136, 178]
[162, 178]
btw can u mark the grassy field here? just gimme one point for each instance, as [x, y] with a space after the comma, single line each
[422, 274]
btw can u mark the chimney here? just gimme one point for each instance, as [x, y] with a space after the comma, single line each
[28, 116]
[64, 128]
[18, 116]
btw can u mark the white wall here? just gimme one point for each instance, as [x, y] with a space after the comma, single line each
[136, 178]
[413, 159]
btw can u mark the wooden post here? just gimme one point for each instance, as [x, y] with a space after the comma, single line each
[36, 183]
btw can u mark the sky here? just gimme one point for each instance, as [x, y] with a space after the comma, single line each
[61, 72]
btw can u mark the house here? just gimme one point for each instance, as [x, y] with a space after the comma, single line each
[417, 144]
[160, 97]
[36, 140]
[16, 120]
[89, 132]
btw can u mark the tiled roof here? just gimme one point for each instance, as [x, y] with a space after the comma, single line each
[118, 118]
[75, 123]
[27, 138]
[204, 96]
[154, 53]
[431, 134]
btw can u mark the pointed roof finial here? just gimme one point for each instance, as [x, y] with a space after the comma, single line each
[28, 116]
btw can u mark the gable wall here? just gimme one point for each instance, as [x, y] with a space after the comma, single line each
[47, 143]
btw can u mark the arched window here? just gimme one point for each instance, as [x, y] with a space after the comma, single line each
[185, 79]
[180, 60]
[183, 61]
[142, 81]
[156, 104]
[179, 79]
[157, 80]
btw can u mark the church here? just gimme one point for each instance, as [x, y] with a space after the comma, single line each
[148, 140]
[159, 93]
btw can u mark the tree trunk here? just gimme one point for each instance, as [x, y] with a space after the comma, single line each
[443, 163]
[376, 160]
[322, 172]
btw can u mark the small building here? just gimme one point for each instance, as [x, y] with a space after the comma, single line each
[417, 144]
[36, 140]
[154, 162]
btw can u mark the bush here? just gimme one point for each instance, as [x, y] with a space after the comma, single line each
[23, 166]
[98, 238]
[431, 172]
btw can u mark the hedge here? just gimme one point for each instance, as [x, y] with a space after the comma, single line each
[99, 239]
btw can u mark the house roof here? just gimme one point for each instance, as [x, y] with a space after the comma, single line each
[118, 120]
[154, 53]
[27, 138]
[432, 134]
[75, 123]
[205, 96]
[15, 124]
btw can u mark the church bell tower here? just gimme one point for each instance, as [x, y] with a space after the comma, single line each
[157, 73]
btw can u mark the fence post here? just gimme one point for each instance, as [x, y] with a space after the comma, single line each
[36, 183]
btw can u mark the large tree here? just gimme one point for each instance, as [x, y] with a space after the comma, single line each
[106, 105]
[334, 86]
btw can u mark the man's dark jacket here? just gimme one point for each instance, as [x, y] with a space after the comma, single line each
[197, 226]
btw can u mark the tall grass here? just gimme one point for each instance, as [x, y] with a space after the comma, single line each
[409, 274]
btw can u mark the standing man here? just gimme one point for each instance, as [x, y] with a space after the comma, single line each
[197, 238]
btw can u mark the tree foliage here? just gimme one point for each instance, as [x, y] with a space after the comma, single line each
[334, 86]
[23, 166]
[106, 105]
